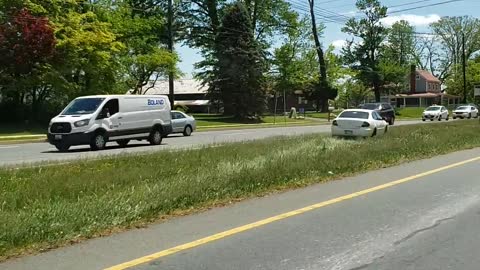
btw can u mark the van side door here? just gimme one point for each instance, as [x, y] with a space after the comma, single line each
[110, 116]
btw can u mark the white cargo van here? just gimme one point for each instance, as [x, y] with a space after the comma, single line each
[96, 120]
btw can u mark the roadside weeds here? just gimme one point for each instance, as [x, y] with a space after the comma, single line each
[41, 208]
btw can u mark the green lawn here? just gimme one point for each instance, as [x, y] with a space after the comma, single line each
[19, 130]
[48, 206]
[322, 115]
[409, 113]
[214, 120]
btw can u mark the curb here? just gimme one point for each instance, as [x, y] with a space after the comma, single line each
[20, 137]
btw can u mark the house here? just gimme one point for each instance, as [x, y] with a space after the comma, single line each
[425, 90]
[187, 92]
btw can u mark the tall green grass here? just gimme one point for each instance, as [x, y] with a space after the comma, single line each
[49, 206]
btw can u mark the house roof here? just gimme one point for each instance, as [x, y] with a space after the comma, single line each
[184, 86]
[428, 76]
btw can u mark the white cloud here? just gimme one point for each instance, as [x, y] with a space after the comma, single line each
[349, 13]
[414, 20]
[339, 43]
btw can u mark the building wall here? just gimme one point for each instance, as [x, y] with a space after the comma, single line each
[420, 84]
[434, 87]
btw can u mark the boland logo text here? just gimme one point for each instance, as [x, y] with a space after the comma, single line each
[154, 102]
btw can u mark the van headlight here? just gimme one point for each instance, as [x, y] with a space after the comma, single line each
[81, 123]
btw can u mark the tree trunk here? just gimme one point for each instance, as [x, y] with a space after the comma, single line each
[318, 45]
[376, 90]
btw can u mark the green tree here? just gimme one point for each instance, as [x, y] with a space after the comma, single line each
[363, 51]
[294, 63]
[353, 93]
[448, 55]
[455, 86]
[202, 20]
[140, 26]
[320, 91]
[400, 47]
[240, 80]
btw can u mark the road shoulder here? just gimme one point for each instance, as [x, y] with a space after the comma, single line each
[108, 251]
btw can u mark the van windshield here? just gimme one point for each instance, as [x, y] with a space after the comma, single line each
[83, 106]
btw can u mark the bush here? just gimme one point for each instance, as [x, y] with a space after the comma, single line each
[181, 108]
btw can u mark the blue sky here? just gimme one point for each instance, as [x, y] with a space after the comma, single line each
[420, 18]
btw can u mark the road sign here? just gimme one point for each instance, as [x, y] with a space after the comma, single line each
[477, 90]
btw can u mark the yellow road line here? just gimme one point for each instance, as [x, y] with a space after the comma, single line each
[266, 221]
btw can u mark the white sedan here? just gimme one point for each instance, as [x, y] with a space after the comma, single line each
[359, 123]
[435, 113]
[465, 112]
[183, 123]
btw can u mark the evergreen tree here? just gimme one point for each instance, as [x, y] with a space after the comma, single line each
[239, 82]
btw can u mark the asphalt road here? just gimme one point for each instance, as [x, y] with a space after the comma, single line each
[421, 215]
[27, 154]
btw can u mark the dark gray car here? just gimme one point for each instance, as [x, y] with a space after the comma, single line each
[385, 110]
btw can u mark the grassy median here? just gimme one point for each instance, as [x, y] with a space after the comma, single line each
[50, 206]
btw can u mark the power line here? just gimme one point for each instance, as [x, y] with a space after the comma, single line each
[410, 3]
[323, 14]
[424, 6]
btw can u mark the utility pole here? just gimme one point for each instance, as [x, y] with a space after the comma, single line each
[464, 64]
[171, 79]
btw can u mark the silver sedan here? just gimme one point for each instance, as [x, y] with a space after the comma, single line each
[183, 123]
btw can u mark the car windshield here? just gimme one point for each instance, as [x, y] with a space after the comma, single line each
[462, 108]
[370, 106]
[432, 109]
[83, 106]
[354, 114]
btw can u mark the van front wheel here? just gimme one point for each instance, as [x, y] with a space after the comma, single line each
[62, 147]
[99, 141]
[156, 137]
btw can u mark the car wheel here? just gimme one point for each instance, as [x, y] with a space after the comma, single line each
[392, 121]
[62, 147]
[187, 131]
[439, 118]
[454, 118]
[423, 120]
[386, 130]
[431, 119]
[156, 137]
[123, 143]
[448, 118]
[374, 132]
[469, 116]
[99, 141]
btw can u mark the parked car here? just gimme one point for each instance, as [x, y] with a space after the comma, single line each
[96, 120]
[385, 110]
[183, 123]
[359, 123]
[465, 112]
[435, 113]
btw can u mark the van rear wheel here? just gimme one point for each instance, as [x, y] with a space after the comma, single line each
[156, 137]
[123, 143]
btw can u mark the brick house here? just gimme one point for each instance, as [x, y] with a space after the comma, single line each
[425, 90]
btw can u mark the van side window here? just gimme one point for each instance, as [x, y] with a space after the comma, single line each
[112, 106]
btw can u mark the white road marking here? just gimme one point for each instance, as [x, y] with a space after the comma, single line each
[8, 147]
